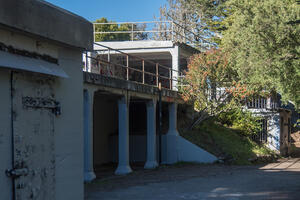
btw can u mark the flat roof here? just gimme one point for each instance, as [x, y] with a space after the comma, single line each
[45, 20]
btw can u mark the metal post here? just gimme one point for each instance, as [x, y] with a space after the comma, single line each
[127, 68]
[143, 66]
[170, 78]
[86, 61]
[94, 29]
[160, 122]
[132, 32]
[172, 31]
[157, 74]
[108, 59]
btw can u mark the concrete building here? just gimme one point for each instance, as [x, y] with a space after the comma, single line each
[121, 86]
[41, 140]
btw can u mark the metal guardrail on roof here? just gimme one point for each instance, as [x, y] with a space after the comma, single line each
[152, 30]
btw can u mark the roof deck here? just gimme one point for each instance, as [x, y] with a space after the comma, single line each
[139, 65]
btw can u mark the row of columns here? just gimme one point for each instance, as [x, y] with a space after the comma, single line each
[123, 162]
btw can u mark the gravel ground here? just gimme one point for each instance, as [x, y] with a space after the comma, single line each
[280, 180]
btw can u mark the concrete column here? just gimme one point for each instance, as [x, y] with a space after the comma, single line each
[151, 162]
[175, 66]
[173, 119]
[123, 165]
[89, 174]
[170, 151]
[89, 62]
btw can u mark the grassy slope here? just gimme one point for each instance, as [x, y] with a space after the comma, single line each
[222, 141]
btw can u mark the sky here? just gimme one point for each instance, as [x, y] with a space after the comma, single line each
[115, 10]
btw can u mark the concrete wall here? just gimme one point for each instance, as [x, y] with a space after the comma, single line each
[5, 135]
[105, 125]
[47, 21]
[68, 126]
[177, 149]
[189, 152]
[274, 132]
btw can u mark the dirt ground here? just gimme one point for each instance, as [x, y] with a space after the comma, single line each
[280, 180]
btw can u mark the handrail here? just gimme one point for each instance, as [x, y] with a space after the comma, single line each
[121, 52]
[144, 22]
[168, 76]
[171, 29]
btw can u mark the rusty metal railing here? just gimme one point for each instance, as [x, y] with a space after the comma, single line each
[147, 72]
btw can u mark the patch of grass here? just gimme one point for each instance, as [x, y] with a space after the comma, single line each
[226, 142]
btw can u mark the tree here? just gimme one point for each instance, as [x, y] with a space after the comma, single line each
[125, 36]
[263, 47]
[214, 12]
[188, 26]
[212, 85]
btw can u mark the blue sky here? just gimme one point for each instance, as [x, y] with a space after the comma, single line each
[116, 10]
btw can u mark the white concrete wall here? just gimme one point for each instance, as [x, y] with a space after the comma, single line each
[189, 152]
[68, 126]
[274, 132]
[5, 135]
[184, 151]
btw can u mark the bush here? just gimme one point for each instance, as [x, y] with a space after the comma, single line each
[243, 121]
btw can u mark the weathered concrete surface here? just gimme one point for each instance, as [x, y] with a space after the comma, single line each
[5, 135]
[69, 127]
[274, 181]
[189, 152]
[38, 27]
[140, 90]
[47, 21]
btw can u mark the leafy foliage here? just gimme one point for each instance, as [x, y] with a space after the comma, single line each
[261, 39]
[263, 48]
[190, 25]
[241, 120]
[211, 84]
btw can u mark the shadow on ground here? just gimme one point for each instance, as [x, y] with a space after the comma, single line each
[279, 180]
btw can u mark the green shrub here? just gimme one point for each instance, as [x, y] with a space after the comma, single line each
[241, 120]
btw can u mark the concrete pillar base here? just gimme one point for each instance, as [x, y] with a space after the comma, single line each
[169, 151]
[123, 170]
[89, 176]
[151, 165]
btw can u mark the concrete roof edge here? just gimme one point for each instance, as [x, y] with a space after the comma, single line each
[187, 47]
[64, 10]
[45, 20]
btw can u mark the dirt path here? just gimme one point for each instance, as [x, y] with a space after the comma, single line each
[279, 180]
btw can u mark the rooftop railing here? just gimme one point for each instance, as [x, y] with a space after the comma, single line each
[148, 30]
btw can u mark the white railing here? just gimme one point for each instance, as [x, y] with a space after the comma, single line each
[152, 30]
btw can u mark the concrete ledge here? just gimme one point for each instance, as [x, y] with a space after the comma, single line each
[47, 21]
[189, 152]
[176, 149]
[111, 82]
